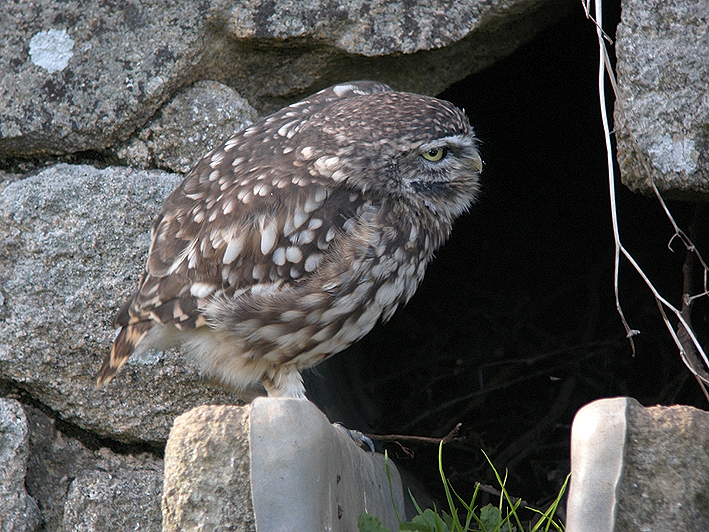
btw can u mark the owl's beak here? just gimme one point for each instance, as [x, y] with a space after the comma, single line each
[476, 161]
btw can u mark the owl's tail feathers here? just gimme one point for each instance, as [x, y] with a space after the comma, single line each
[123, 346]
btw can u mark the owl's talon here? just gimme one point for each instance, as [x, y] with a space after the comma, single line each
[358, 437]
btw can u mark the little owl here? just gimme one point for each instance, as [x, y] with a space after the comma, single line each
[290, 241]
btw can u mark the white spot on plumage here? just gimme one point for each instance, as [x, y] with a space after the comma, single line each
[216, 159]
[327, 164]
[259, 272]
[262, 189]
[294, 254]
[312, 262]
[279, 256]
[338, 175]
[386, 294]
[291, 315]
[299, 217]
[288, 130]
[269, 235]
[229, 144]
[192, 258]
[202, 290]
[233, 249]
[303, 237]
[228, 207]
[214, 175]
[311, 204]
[237, 161]
[288, 226]
[414, 233]
[307, 152]
[263, 289]
[341, 90]
[320, 194]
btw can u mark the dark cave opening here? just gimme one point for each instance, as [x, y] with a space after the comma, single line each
[515, 327]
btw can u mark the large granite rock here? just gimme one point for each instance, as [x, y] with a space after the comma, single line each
[19, 511]
[73, 242]
[84, 76]
[637, 469]
[124, 499]
[50, 481]
[195, 120]
[662, 116]
[78, 488]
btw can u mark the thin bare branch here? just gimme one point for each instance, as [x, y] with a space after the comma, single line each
[451, 436]
[689, 347]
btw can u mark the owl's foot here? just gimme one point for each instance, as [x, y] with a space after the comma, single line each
[359, 438]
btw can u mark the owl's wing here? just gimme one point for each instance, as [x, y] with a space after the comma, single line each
[209, 244]
[248, 214]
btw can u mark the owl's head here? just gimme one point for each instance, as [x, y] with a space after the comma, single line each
[410, 148]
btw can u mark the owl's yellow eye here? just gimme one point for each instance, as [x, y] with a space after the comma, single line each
[435, 154]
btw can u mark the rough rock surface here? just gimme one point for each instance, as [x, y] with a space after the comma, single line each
[125, 499]
[73, 242]
[662, 115]
[194, 121]
[19, 511]
[207, 471]
[638, 469]
[82, 79]
[664, 485]
[78, 488]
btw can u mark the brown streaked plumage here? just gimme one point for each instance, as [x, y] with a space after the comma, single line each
[289, 242]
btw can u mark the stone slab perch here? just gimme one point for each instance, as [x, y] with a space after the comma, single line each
[638, 469]
[274, 465]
